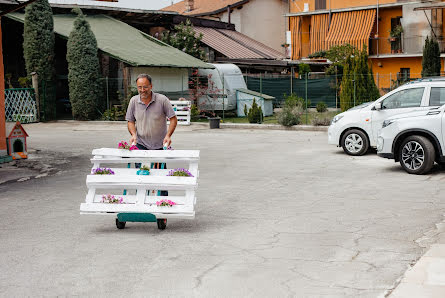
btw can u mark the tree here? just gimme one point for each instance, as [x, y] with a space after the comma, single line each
[185, 39]
[358, 85]
[83, 70]
[431, 58]
[38, 49]
[303, 69]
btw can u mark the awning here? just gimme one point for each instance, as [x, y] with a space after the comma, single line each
[353, 27]
[125, 43]
[295, 28]
[319, 31]
[235, 45]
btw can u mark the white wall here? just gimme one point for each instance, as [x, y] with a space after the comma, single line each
[262, 20]
[163, 78]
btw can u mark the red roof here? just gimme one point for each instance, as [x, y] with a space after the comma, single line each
[10, 127]
[235, 45]
[204, 7]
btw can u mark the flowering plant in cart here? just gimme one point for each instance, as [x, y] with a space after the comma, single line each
[124, 145]
[102, 171]
[165, 203]
[180, 173]
[111, 199]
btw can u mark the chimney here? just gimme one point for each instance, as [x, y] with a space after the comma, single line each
[189, 5]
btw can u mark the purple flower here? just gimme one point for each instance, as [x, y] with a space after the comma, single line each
[180, 172]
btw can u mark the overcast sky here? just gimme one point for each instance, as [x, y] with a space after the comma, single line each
[138, 4]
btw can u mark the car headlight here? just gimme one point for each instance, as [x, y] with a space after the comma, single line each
[387, 123]
[336, 119]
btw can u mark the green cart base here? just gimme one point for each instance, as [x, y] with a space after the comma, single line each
[122, 219]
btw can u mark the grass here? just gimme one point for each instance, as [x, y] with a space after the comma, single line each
[273, 119]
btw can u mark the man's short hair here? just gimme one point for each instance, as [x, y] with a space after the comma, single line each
[143, 76]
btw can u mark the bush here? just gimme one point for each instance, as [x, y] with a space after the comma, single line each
[125, 101]
[294, 100]
[290, 115]
[113, 114]
[321, 107]
[255, 114]
[322, 120]
[194, 111]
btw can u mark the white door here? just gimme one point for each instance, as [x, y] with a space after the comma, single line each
[403, 101]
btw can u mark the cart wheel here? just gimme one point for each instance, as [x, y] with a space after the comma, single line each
[162, 223]
[120, 224]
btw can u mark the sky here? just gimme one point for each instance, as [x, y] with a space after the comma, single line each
[137, 4]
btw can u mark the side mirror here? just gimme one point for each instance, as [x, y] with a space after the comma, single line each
[378, 106]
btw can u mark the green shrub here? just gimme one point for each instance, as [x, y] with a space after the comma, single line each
[254, 114]
[113, 114]
[293, 100]
[194, 111]
[321, 120]
[321, 107]
[125, 101]
[290, 115]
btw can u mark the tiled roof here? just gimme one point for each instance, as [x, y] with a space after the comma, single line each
[235, 45]
[204, 7]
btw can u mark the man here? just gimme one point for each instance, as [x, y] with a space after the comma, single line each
[147, 116]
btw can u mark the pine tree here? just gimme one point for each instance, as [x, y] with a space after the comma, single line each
[358, 85]
[431, 58]
[38, 49]
[85, 87]
[185, 39]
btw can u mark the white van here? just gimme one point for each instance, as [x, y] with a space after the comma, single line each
[225, 77]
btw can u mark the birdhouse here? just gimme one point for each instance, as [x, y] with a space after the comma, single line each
[16, 140]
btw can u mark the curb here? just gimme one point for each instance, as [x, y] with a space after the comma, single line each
[206, 125]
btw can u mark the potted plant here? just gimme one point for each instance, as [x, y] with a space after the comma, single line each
[209, 94]
[395, 33]
[180, 173]
[111, 199]
[144, 170]
[165, 203]
[102, 171]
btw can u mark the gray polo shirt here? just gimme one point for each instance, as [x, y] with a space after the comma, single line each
[151, 119]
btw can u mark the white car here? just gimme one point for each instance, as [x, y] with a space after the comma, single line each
[416, 139]
[357, 129]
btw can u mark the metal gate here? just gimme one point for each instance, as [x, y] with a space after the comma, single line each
[20, 105]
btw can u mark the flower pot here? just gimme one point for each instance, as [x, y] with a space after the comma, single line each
[143, 172]
[214, 122]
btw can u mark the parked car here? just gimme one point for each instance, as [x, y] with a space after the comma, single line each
[416, 139]
[357, 129]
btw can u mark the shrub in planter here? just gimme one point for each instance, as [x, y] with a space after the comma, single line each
[321, 107]
[294, 100]
[255, 114]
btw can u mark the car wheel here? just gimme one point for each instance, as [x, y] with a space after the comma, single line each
[416, 155]
[355, 142]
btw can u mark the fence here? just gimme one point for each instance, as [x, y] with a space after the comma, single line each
[20, 105]
[316, 87]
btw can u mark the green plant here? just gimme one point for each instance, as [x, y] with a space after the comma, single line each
[185, 39]
[254, 114]
[321, 107]
[396, 32]
[113, 114]
[431, 58]
[24, 82]
[38, 50]
[321, 120]
[145, 168]
[294, 100]
[85, 87]
[303, 69]
[194, 111]
[320, 54]
[290, 114]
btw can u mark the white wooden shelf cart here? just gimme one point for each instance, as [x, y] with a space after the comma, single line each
[139, 191]
[182, 110]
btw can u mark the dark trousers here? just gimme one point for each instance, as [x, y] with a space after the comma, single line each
[157, 165]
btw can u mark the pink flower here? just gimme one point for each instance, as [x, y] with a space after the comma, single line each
[133, 147]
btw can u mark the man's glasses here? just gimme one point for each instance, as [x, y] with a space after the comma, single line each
[143, 88]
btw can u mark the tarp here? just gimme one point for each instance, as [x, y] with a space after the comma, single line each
[125, 43]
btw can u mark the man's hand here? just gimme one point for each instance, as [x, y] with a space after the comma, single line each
[167, 141]
[133, 140]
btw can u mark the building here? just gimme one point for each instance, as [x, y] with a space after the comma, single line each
[261, 20]
[393, 32]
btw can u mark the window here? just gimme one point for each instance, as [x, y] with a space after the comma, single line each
[437, 96]
[404, 75]
[408, 98]
[320, 4]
